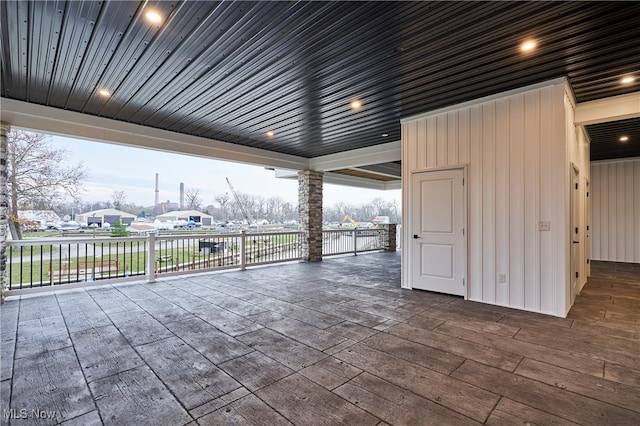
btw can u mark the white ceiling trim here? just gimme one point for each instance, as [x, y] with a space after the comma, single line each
[73, 124]
[345, 180]
[391, 170]
[376, 154]
[608, 109]
[358, 182]
[56, 121]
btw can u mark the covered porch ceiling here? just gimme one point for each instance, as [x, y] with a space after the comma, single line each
[272, 83]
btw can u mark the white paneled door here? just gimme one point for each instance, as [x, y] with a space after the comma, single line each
[438, 250]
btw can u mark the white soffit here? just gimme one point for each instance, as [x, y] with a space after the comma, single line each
[73, 124]
[609, 109]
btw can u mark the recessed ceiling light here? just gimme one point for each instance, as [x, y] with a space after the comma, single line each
[624, 138]
[104, 92]
[153, 17]
[628, 79]
[384, 135]
[528, 45]
[356, 104]
[270, 133]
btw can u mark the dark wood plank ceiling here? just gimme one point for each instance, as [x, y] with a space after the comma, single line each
[233, 71]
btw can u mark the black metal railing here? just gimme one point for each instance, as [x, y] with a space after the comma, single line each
[64, 261]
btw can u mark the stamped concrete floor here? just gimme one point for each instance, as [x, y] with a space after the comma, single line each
[331, 343]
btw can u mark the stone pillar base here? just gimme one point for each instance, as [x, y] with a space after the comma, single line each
[389, 236]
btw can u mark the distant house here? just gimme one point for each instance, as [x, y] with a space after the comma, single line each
[102, 216]
[380, 220]
[186, 215]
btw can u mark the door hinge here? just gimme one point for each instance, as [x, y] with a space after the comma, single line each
[588, 261]
[576, 229]
[587, 193]
[577, 274]
[576, 186]
[462, 231]
[463, 283]
[462, 181]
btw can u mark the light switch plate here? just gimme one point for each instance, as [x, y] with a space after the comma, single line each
[544, 225]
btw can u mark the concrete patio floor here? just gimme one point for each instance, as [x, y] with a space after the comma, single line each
[337, 342]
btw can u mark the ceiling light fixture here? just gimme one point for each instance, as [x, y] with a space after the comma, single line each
[104, 92]
[356, 104]
[628, 79]
[528, 45]
[624, 138]
[384, 135]
[153, 17]
[270, 133]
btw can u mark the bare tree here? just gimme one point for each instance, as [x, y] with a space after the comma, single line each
[37, 175]
[118, 198]
[193, 198]
[224, 201]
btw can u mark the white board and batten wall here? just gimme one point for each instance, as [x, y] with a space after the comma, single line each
[615, 211]
[519, 149]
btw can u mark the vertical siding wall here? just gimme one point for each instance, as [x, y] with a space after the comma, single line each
[518, 174]
[615, 211]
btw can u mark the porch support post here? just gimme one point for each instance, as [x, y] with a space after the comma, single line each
[389, 236]
[310, 214]
[4, 205]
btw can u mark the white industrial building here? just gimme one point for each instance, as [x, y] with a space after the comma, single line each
[103, 216]
[186, 215]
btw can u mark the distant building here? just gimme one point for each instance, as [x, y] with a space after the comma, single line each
[186, 215]
[380, 219]
[102, 216]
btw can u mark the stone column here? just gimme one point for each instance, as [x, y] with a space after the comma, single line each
[4, 205]
[310, 214]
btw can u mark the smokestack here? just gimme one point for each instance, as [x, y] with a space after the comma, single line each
[181, 196]
[157, 191]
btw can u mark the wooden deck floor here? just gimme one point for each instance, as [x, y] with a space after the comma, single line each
[331, 343]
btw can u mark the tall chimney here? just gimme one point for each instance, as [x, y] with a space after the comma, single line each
[157, 191]
[181, 196]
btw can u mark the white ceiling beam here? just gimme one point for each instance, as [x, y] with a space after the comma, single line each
[83, 126]
[393, 170]
[608, 109]
[358, 182]
[345, 180]
[375, 154]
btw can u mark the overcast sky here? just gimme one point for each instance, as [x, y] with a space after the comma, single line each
[112, 167]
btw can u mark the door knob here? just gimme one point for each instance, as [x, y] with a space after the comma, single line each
[415, 236]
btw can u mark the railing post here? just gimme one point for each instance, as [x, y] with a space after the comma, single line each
[355, 242]
[151, 257]
[243, 250]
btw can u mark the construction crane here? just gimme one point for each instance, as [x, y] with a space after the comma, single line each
[347, 217]
[244, 211]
